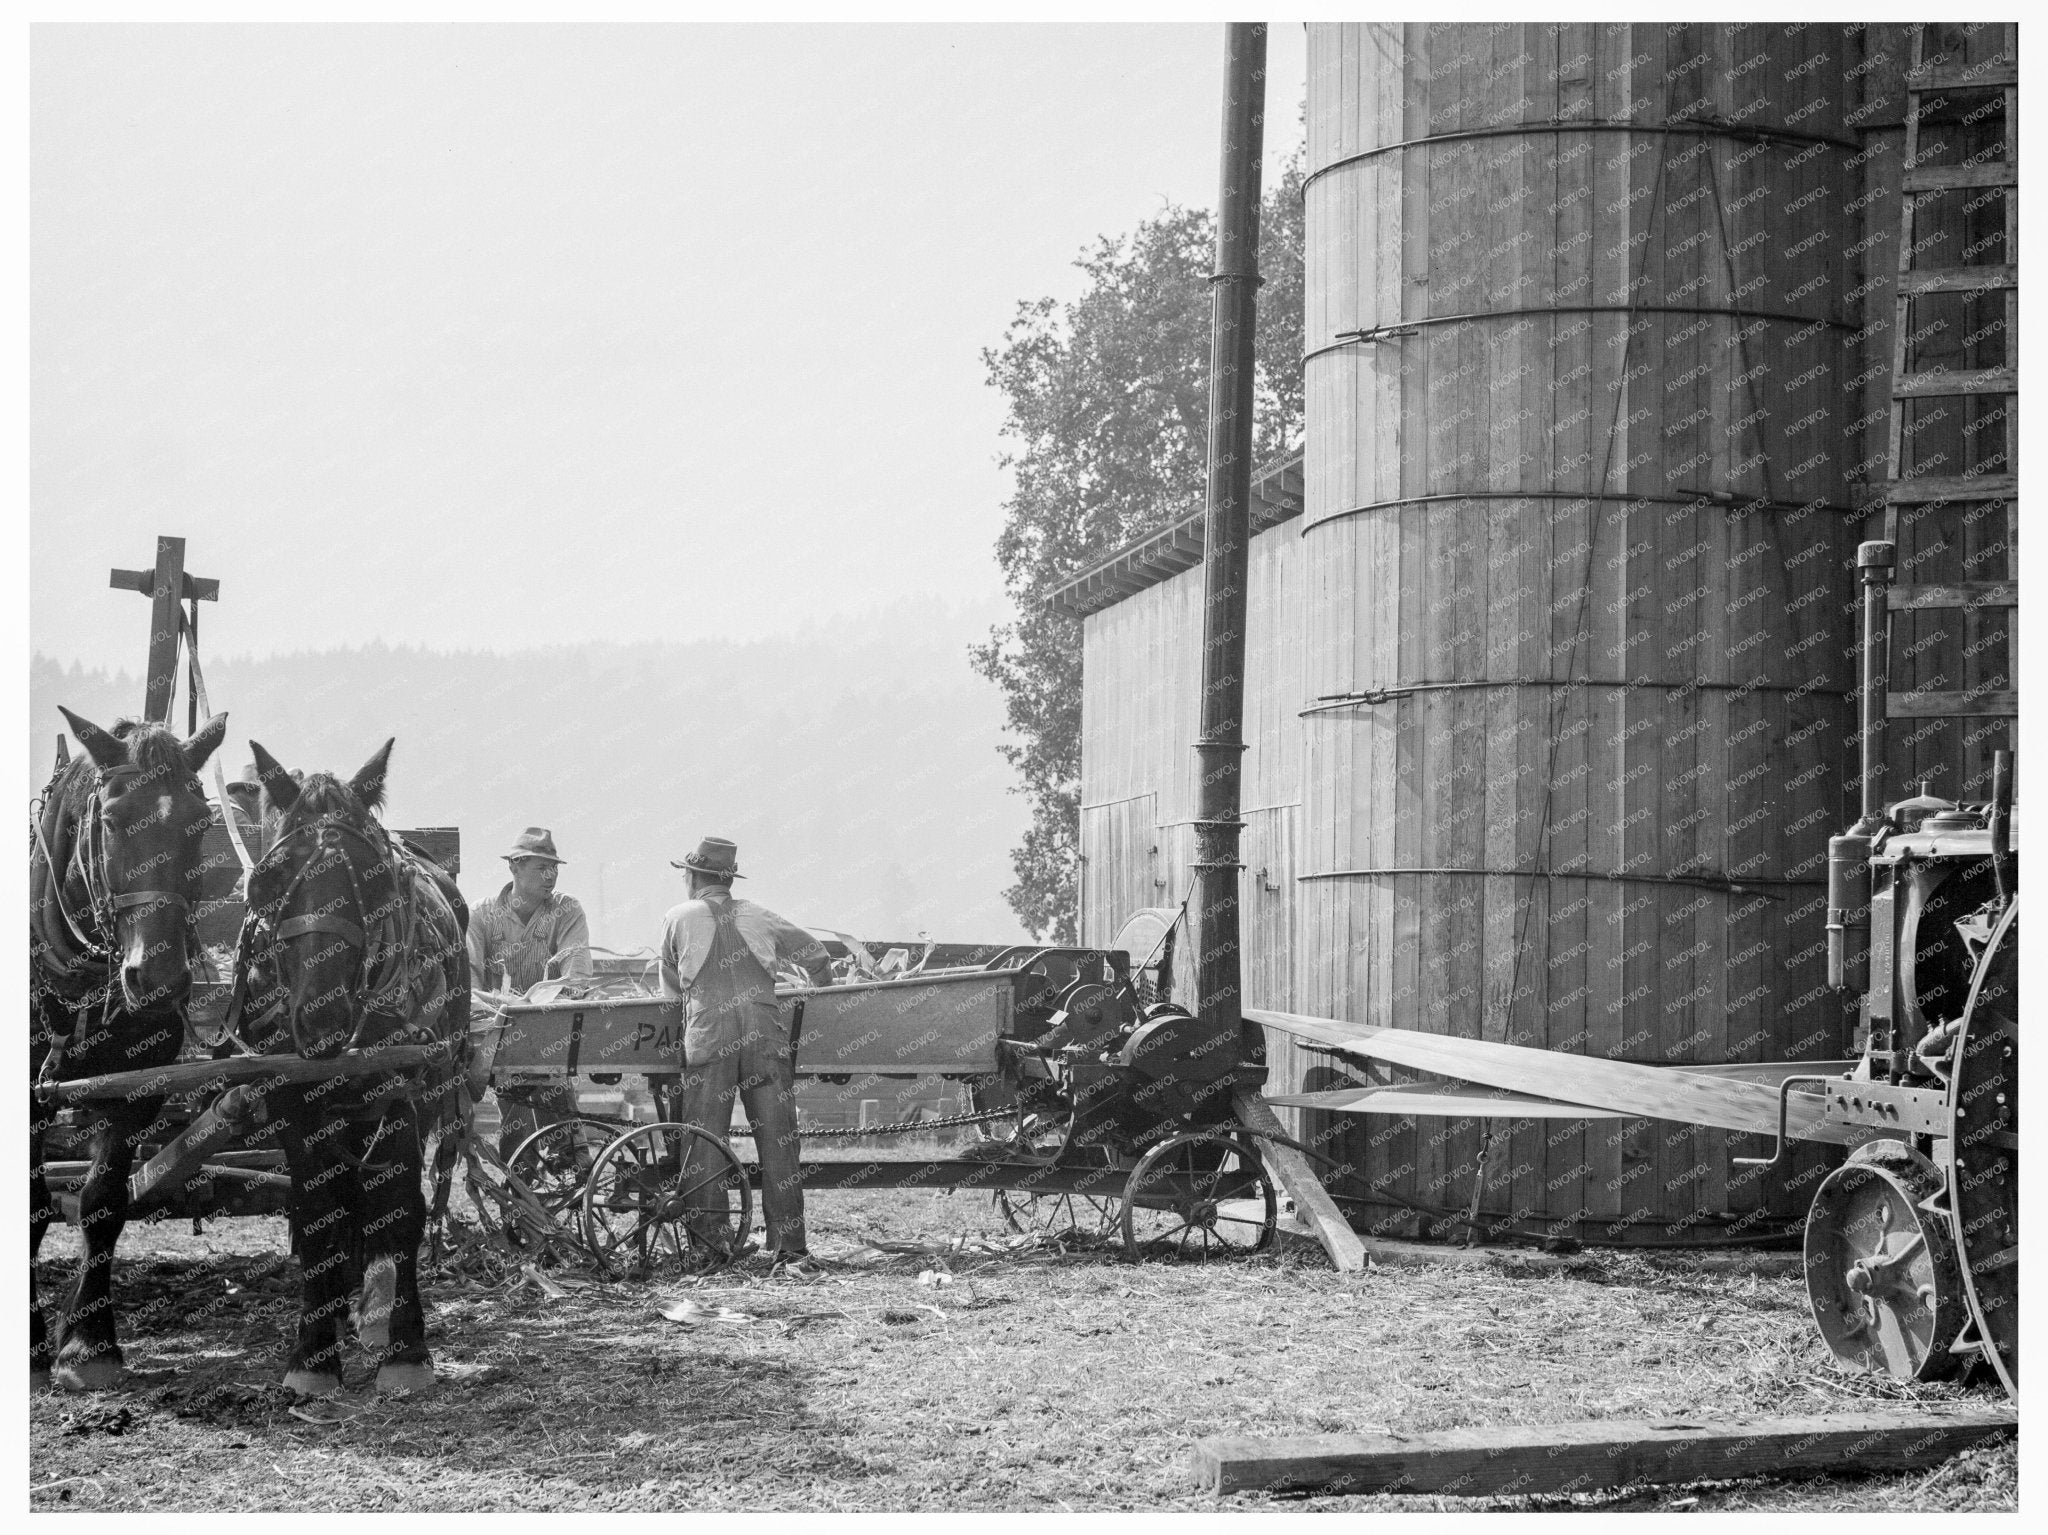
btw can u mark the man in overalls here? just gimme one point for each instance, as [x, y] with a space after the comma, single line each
[719, 953]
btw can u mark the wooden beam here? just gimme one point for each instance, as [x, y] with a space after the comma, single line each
[1993, 702]
[1520, 1459]
[1959, 178]
[1295, 1174]
[1655, 1092]
[1947, 383]
[1440, 1102]
[1990, 75]
[1958, 279]
[1910, 597]
[165, 595]
[1770, 1073]
[1927, 489]
[183, 1077]
[196, 589]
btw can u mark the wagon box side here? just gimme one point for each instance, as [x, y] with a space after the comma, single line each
[930, 1026]
[927, 1026]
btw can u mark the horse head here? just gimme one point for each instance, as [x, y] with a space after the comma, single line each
[324, 899]
[140, 816]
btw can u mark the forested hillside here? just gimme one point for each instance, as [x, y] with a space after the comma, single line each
[854, 762]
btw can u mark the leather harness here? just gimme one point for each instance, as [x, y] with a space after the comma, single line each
[380, 981]
[84, 950]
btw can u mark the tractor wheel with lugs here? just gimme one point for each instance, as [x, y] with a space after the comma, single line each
[1984, 1145]
[666, 1196]
[1200, 1195]
[1881, 1270]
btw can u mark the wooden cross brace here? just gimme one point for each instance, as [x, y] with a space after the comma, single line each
[167, 586]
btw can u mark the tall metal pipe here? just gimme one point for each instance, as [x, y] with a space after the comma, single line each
[1874, 562]
[1219, 753]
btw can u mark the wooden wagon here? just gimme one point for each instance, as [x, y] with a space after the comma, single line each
[1052, 1045]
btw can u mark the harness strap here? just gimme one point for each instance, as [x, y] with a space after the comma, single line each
[63, 955]
[91, 954]
[341, 927]
[128, 900]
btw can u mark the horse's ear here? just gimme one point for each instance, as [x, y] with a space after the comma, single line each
[204, 741]
[368, 783]
[106, 752]
[277, 783]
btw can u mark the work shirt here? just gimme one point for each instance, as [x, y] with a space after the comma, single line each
[500, 939]
[687, 932]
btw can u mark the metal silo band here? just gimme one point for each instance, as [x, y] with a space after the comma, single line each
[1687, 127]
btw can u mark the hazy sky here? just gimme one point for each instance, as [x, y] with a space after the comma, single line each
[513, 335]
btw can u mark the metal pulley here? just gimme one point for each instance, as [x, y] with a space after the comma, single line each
[1086, 1018]
[1180, 1067]
[1881, 1270]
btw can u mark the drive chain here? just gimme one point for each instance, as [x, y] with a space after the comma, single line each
[912, 1126]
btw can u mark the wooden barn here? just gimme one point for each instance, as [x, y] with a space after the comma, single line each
[1550, 649]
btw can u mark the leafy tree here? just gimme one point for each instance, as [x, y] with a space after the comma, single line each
[1109, 410]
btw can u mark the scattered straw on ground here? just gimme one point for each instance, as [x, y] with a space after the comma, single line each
[941, 1365]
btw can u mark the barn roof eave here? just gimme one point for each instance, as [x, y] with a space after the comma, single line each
[1166, 552]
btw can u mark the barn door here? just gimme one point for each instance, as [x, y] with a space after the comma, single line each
[1121, 865]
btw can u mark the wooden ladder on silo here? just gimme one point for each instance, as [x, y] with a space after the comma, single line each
[1938, 82]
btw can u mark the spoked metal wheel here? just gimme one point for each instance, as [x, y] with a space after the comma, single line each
[666, 1196]
[555, 1162]
[1881, 1270]
[1984, 1105]
[1202, 1196]
[1067, 1218]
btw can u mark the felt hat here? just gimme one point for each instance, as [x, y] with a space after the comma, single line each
[714, 856]
[534, 842]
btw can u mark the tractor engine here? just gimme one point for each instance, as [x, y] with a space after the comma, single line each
[1912, 1245]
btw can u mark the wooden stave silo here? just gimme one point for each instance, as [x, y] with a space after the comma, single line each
[1410, 578]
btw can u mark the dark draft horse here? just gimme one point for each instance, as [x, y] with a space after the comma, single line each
[352, 939]
[114, 873]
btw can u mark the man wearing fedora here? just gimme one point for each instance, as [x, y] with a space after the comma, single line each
[719, 953]
[522, 936]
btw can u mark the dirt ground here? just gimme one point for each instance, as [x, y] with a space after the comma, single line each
[1034, 1379]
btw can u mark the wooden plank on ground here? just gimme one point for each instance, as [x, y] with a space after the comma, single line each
[1295, 1174]
[1518, 1459]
